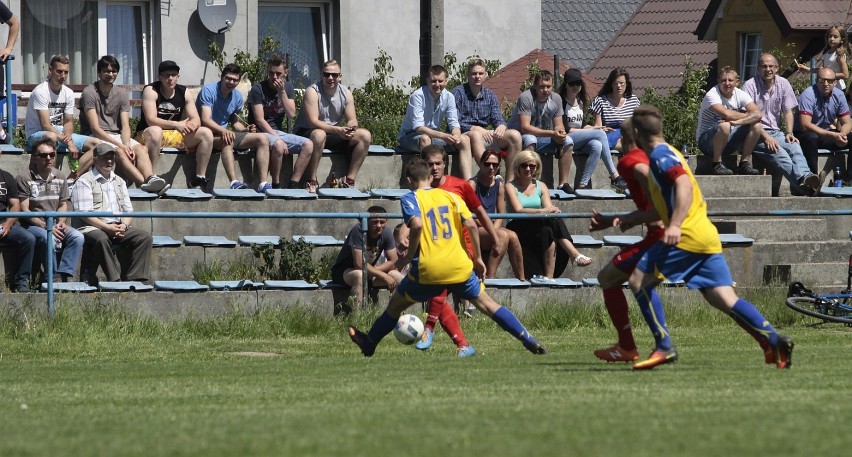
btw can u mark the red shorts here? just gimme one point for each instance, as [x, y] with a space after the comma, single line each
[628, 257]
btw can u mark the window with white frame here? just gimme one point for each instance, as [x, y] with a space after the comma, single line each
[305, 31]
[84, 30]
[750, 50]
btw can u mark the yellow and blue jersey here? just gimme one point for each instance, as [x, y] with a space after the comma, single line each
[442, 257]
[698, 234]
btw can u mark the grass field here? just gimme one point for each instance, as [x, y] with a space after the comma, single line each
[94, 382]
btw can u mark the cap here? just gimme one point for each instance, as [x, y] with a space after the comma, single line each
[103, 148]
[167, 65]
[573, 75]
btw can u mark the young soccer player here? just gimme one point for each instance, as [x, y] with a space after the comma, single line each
[439, 261]
[689, 250]
[634, 168]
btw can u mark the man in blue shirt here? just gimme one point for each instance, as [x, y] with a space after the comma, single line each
[428, 106]
[218, 103]
[823, 119]
[478, 109]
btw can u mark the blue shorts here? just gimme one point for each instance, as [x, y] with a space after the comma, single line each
[294, 142]
[411, 142]
[613, 136]
[545, 144]
[735, 140]
[79, 140]
[416, 292]
[698, 271]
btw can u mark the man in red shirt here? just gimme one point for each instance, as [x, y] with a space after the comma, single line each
[439, 309]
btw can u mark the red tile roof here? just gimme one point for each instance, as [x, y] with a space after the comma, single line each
[810, 15]
[507, 81]
[654, 42]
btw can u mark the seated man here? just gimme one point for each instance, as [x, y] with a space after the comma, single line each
[220, 104]
[50, 114]
[326, 104]
[774, 97]
[106, 116]
[428, 106]
[100, 190]
[728, 119]
[824, 121]
[170, 120]
[44, 188]
[269, 102]
[347, 267]
[22, 240]
[478, 108]
[538, 116]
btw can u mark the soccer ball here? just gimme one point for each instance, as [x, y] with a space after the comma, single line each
[409, 328]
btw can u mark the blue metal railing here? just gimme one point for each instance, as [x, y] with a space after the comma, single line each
[362, 217]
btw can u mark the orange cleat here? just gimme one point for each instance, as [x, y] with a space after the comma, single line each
[658, 357]
[617, 354]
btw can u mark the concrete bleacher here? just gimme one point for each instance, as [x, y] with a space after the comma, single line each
[813, 248]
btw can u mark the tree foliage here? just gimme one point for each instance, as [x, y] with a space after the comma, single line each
[680, 107]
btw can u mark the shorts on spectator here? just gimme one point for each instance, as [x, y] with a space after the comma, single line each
[117, 137]
[735, 139]
[545, 144]
[411, 142]
[79, 140]
[294, 142]
[613, 136]
[171, 139]
[333, 142]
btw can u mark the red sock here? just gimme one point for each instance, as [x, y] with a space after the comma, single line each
[616, 306]
[433, 311]
[450, 323]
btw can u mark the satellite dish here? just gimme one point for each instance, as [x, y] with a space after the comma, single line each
[218, 16]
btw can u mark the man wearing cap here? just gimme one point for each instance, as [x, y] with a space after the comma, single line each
[100, 190]
[105, 110]
[478, 109]
[43, 188]
[170, 120]
[219, 104]
[50, 114]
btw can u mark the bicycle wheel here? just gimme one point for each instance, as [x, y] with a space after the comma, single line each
[825, 310]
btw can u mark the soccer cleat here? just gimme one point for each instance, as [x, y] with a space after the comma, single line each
[360, 338]
[658, 357]
[782, 354]
[465, 351]
[534, 346]
[425, 340]
[617, 354]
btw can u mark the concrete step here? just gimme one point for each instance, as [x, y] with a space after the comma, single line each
[817, 274]
[777, 229]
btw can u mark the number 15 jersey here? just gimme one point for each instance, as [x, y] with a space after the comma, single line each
[442, 257]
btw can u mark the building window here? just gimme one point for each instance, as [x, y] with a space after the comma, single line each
[84, 30]
[305, 32]
[750, 50]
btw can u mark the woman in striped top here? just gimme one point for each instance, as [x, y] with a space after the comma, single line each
[615, 103]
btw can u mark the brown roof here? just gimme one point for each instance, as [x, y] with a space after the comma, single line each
[654, 42]
[507, 81]
[790, 15]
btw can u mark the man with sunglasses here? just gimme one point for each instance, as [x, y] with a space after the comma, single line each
[327, 104]
[824, 120]
[220, 104]
[44, 188]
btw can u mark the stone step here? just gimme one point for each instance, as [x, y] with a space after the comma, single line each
[777, 229]
[816, 274]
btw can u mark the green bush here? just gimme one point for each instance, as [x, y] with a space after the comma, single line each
[253, 66]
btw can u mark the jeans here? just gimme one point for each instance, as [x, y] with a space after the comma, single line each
[789, 159]
[545, 144]
[24, 242]
[594, 143]
[811, 142]
[69, 254]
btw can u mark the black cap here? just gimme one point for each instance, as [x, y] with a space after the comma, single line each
[573, 75]
[167, 65]
[103, 149]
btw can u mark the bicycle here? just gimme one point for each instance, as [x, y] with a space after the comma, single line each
[829, 307]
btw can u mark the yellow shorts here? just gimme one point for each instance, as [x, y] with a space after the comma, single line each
[171, 139]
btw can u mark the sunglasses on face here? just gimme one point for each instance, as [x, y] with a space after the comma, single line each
[531, 166]
[491, 164]
[326, 74]
[575, 84]
[45, 155]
